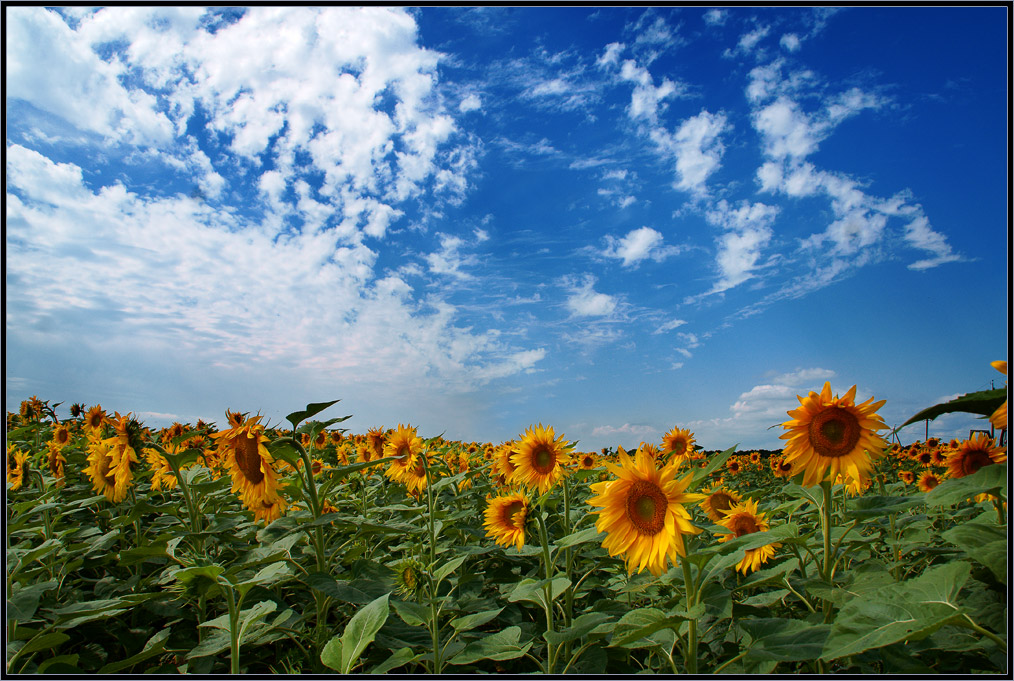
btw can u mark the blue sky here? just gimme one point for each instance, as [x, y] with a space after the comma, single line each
[609, 220]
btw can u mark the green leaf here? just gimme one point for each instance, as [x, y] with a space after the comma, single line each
[503, 645]
[212, 645]
[866, 507]
[580, 537]
[983, 402]
[447, 568]
[154, 646]
[44, 642]
[312, 409]
[413, 614]
[341, 653]
[784, 639]
[399, 658]
[771, 574]
[533, 591]
[986, 544]
[714, 463]
[469, 622]
[584, 625]
[24, 601]
[642, 623]
[905, 611]
[991, 478]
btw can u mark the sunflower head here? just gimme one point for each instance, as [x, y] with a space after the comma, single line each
[642, 511]
[718, 500]
[974, 453]
[61, 436]
[587, 461]
[742, 519]
[540, 458]
[830, 435]
[17, 463]
[94, 419]
[243, 451]
[678, 442]
[505, 519]
[928, 480]
[405, 447]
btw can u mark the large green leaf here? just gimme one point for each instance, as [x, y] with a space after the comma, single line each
[154, 646]
[312, 409]
[583, 625]
[635, 629]
[399, 658]
[983, 402]
[784, 639]
[992, 478]
[342, 652]
[533, 591]
[986, 544]
[469, 622]
[503, 645]
[24, 601]
[905, 611]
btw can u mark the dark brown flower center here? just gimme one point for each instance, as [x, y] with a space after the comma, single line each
[743, 523]
[972, 460]
[543, 459]
[248, 458]
[508, 514]
[720, 501]
[834, 432]
[646, 507]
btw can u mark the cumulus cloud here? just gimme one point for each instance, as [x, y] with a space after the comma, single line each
[638, 245]
[584, 301]
[626, 430]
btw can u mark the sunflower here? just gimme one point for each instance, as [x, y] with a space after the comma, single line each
[829, 435]
[162, 476]
[341, 454]
[974, 453]
[755, 458]
[415, 478]
[375, 443]
[502, 461]
[16, 465]
[733, 465]
[55, 461]
[540, 458]
[742, 519]
[61, 436]
[405, 446]
[587, 461]
[505, 519]
[464, 465]
[101, 468]
[94, 419]
[407, 575]
[999, 417]
[718, 500]
[642, 512]
[924, 457]
[781, 468]
[243, 451]
[678, 442]
[649, 449]
[929, 480]
[938, 456]
[268, 510]
[907, 477]
[336, 437]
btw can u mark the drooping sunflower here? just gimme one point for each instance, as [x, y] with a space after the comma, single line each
[407, 576]
[829, 435]
[55, 461]
[742, 519]
[268, 510]
[162, 476]
[929, 480]
[642, 511]
[540, 458]
[999, 417]
[375, 443]
[243, 450]
[974, 453]
[678, 442]
[502, 461]
[505, 519]
[16, 464]
[101, 468]
[719, 499]
[415, 478]
[405, 446]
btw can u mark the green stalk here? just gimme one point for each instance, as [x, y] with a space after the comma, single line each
[547, 589]
[434, 623]
[825, 526]
[233, 630]
[569, 553]
[690, 659]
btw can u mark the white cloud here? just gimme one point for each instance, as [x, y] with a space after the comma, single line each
[584, 301]
[716, 17]
[627, 429]
[669, 326]
[698, 150]
[638, 245]
[790, 42]
[801, 375]
[472, 102]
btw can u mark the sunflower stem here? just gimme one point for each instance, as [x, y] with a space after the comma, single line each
[690, 659]
[825, 522]
[233, 630]
[434, 624]
[569, 553]
[547, 588]
[1000, 519]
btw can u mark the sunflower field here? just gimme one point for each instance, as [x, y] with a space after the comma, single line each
[252, 548]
